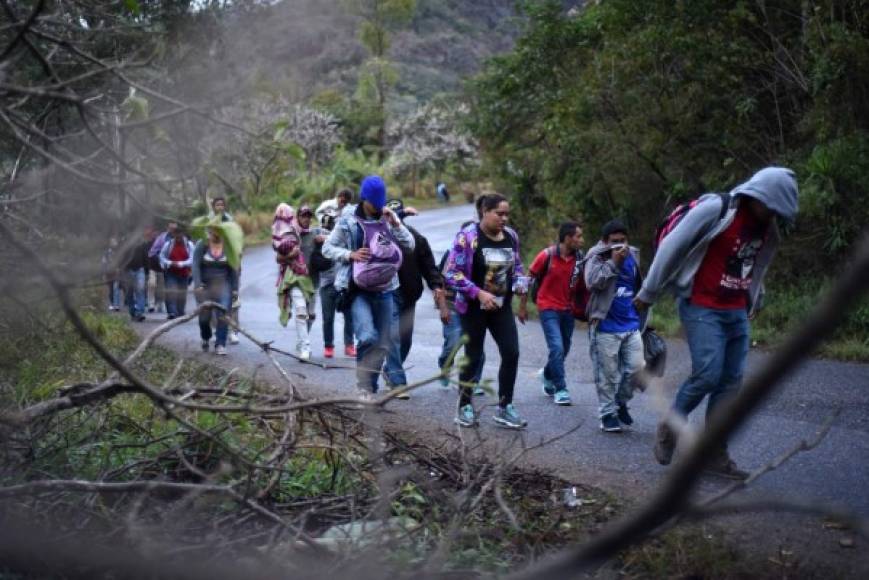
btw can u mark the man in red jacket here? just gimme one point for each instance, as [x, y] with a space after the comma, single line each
[553, 269]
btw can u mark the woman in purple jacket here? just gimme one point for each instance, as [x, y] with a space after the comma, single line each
[485, 269]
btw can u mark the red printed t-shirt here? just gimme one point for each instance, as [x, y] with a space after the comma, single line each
[724, 276]
[554, 292]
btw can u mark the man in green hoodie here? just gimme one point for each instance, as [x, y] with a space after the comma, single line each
[715, 260]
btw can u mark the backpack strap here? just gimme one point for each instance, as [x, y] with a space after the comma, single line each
[550, 251]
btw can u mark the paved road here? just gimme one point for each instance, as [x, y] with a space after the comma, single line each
[838, 470]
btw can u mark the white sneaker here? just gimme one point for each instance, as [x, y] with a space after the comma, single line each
[305, 354]
[233, 338]
[220, 350]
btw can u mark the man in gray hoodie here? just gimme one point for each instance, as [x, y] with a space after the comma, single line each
[612, 276]
[715, 260]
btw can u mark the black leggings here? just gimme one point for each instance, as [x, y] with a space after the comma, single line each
[501, 324]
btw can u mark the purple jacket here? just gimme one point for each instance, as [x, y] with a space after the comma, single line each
[460, 265]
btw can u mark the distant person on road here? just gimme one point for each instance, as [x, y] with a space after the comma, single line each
[214, 280]
[176, 261]
[367, 246]
[485, 269]
[112, 274]
[326, 271]
[715, 260]
[136, 275]
[553, 272]
[336, 204]
[155, 267]
[452, 331]
[612, 275]
[310, 237]
[442, 194]
[295, 289]
[417, 265]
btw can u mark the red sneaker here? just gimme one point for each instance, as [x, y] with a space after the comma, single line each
[329, 351]
[350, 350]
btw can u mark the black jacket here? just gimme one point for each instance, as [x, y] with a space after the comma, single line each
[136, 257]
[417, 265]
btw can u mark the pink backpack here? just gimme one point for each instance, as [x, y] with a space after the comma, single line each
[377, 273]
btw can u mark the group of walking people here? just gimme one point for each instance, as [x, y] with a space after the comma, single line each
[712, 253]
[365, 262]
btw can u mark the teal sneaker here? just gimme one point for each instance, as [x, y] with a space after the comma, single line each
[562, 397]
[479, 391]
[548, 387]
[509, 417]
[466, 417]
[445, 382]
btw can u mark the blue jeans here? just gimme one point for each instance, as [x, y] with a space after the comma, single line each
[176, 293]
[372, 314]
[452, 335]
[115, 294]
[397, 353]
[718, 341]
[136, 292]
[329, 307]
[558, 328]
[220, 292]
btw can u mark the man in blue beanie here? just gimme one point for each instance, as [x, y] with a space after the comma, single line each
[366, 246]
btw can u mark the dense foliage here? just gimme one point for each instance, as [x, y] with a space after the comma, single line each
[622, 108]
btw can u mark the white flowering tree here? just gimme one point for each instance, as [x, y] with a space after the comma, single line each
[315, 131]
[428, 139]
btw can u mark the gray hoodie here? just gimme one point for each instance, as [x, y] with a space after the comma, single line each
[601, 275]
[683, 250]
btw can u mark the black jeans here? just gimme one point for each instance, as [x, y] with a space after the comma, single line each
[329, 306]
[502, 326]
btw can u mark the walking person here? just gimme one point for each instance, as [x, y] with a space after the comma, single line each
[219, 211]
[216, 281]
[136, 276]
[554, 271]
[326, 270]
[485, 269]
[176, 261]
[112, 274]
[714, 260]
[452, 332]
[295, 289]
[155, 266]
[367, 246]
[612, 275]
[417, 265]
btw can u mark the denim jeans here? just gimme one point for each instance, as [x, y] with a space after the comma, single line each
[718, 341]
[220, 292]
[615, 357]
[329, 307]
[136, 292]
[372, 324]
[176, 293]
[114, 294]
[400, 347]
[558, 328]
[452, 335]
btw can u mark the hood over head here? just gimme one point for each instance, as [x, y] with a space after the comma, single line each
[774, 187]
[283, 222]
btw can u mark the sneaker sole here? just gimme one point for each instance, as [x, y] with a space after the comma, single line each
[461, 423]
[566, 403]
[611, 429]
[508, 425]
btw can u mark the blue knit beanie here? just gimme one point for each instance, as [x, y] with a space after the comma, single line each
[373, 190]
